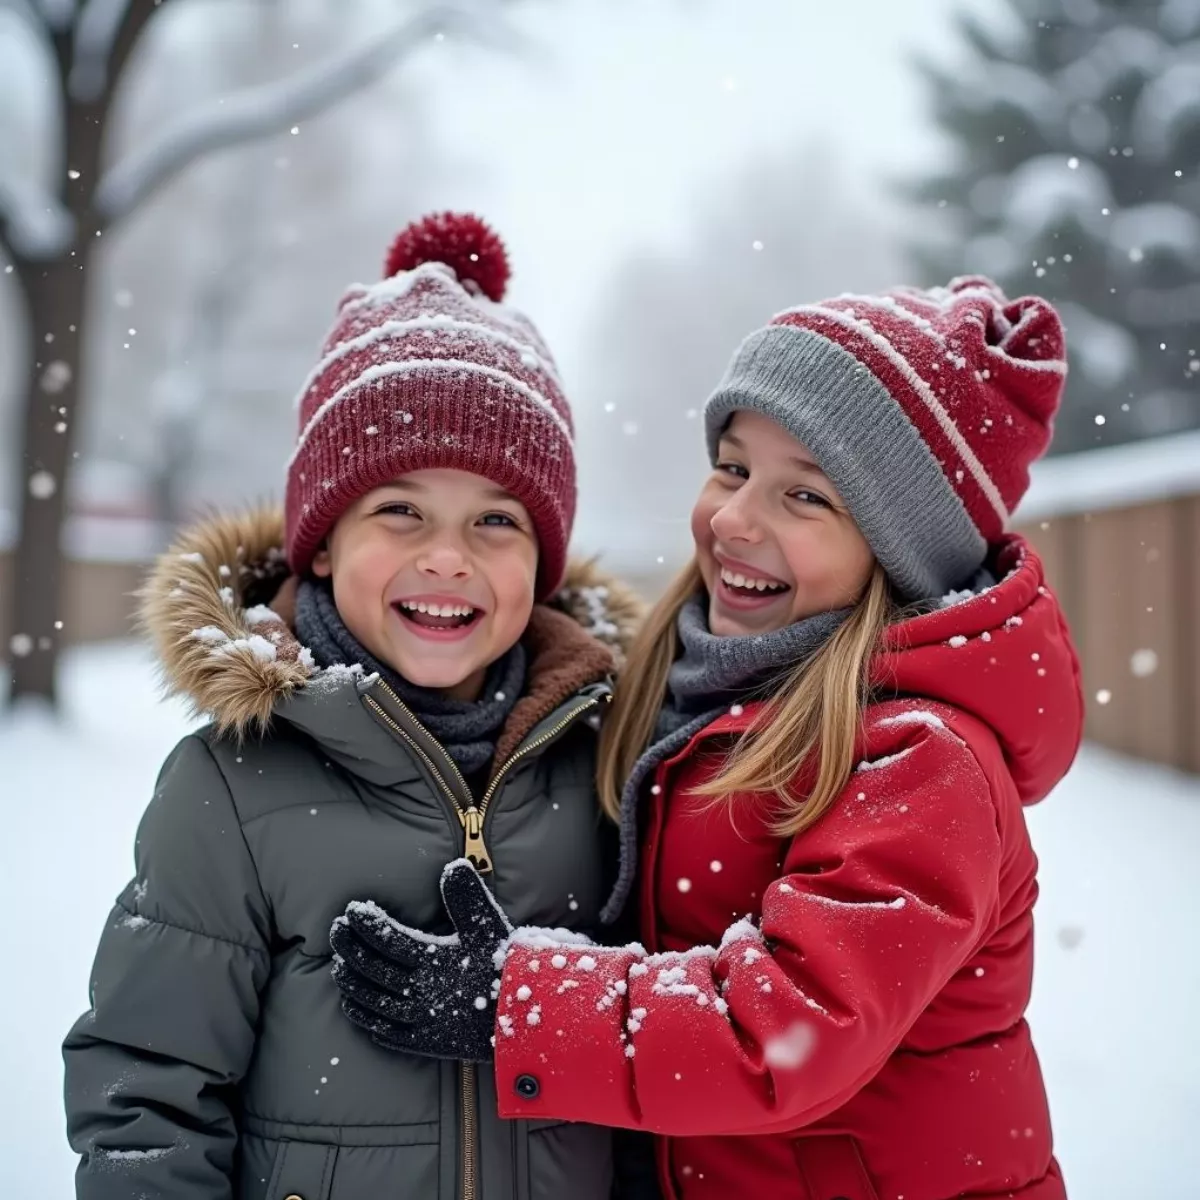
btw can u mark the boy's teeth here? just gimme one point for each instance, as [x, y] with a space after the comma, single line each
[436, 610]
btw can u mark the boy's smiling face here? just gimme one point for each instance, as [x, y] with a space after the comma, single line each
[434, 573]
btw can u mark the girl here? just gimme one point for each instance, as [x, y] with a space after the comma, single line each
[823, 740]
[419, 687]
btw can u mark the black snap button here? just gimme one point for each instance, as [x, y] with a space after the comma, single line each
[528, 1086]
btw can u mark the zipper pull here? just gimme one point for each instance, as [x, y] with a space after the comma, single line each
[476, 850]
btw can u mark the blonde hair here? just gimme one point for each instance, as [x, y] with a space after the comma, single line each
[810, 724]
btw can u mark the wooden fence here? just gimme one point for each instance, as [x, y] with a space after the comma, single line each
[1119, 531]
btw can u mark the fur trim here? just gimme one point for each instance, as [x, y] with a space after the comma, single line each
[218, 647]
[206, 608]
[605, 607]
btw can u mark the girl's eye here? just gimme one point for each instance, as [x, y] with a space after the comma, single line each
[734, 469]
[499, 520]
[807, 497]
[396, 509]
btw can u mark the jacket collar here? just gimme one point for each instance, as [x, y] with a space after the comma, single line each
[1004, 655]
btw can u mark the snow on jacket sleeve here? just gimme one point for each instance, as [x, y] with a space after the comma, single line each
[876, 907]
[152, 1067]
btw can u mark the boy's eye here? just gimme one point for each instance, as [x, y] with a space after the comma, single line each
[499, 520]
[734, 469]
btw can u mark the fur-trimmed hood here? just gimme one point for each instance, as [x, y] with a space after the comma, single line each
[219, 606]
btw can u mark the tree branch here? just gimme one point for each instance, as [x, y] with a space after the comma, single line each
[34, 224]
[26, 11]
[96, 33]
[264, 110]
[58, 14]
[134, 19]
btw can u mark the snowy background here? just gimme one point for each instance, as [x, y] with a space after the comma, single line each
[666, 174]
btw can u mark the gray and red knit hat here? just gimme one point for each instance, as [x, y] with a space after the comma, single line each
[428, 369]
[924, 408]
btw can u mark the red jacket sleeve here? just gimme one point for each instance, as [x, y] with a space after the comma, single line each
[877, 906]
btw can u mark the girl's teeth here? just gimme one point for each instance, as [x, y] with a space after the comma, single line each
[740, 581]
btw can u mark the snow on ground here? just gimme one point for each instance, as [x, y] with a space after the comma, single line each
[1117, 969]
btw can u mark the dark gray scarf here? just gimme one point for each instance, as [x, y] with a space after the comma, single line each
[466, 729]
[711, 674]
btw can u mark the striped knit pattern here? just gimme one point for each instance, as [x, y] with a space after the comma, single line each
[423, 371]
[925, 408]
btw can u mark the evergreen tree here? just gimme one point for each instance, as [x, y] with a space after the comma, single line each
[1075, 173]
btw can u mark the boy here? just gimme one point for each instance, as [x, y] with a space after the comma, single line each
[409, 696]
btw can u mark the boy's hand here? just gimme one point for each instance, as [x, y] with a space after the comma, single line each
[414, 992]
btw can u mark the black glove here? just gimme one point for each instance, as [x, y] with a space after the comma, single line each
[414, 992]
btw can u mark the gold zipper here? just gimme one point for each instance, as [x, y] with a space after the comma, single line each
[408, 712]
[471, 819]
[548, 736]
[470, 1187]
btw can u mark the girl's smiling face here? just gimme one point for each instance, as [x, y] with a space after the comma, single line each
[434, 573]
[774, 540]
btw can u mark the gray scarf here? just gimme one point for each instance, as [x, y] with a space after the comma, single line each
[467, 730]
[710, 675]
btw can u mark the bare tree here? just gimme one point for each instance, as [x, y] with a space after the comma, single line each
[48, 235]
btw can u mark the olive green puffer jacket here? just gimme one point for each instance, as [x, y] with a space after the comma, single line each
[215, 1063]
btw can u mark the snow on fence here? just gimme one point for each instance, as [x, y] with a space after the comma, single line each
[1119, 532]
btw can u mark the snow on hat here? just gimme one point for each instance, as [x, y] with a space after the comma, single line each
[924, 408]
[429, 369]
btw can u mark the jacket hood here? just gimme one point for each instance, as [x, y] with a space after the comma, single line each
[1005, 656]
[218, 608]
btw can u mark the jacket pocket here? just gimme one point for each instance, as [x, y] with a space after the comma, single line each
[833, 1169]
[303, 1171]
[564, 1159]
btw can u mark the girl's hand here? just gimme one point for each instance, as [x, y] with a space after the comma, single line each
[419, 993]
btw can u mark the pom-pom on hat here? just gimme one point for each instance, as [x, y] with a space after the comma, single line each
[924, 407]
[429, 369]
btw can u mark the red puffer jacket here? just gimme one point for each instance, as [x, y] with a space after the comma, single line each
[862, 1035]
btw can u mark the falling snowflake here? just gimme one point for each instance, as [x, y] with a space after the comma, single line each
[42, 485]
[55, 378]
[790, 1049]
[1143, 663]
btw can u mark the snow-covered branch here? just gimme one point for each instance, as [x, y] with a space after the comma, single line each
[58, 13]
[260, 111]
[25, 10]
[33, 223]
[95, 35]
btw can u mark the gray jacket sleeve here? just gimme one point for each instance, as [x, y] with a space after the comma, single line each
[152, 1068]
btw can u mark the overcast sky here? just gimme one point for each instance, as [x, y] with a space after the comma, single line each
[633, 107]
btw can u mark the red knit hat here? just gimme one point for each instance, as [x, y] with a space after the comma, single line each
[428, 369]
[925, 409]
